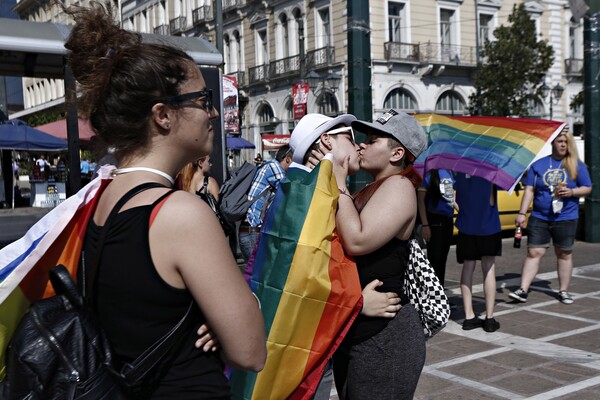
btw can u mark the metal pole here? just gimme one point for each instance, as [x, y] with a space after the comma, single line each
[72, 133]
[359, 72]
[591, 84]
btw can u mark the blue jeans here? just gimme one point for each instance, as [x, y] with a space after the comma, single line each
[562, 233]
[247, 241]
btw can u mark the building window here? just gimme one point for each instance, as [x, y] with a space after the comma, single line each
[486, 28]
[402, 99]
[227, 54]
[395, 19]
[289, 110]
[284, 36]
[450, 103]
[323, 28]
[265, 119]
[262, 49]
[535, 107]
[328, 104]
[237, 53]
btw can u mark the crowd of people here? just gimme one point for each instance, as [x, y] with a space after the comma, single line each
[151, 104]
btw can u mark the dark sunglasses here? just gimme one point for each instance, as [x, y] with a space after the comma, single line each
[193, 96]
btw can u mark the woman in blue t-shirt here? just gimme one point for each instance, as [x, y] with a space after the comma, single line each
[555, 183]
[436, 210]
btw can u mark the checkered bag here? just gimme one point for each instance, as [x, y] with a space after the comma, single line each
[425, 292]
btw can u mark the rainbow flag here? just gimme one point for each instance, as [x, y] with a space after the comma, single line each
[55, 239]
[308, 287]
[497, 149]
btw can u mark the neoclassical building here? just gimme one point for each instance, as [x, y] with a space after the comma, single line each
[423, 53]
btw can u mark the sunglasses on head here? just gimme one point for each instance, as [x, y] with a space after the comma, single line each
[206, 95]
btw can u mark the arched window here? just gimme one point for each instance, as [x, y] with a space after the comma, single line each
[535, 106]
[451, 103]
[328, 104]
[266, 118]
[227, 54]
[402, 99]
[289, 108]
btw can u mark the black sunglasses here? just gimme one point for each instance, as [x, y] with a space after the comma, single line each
[181, 98]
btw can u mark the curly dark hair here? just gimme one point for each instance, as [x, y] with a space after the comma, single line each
[119, 77]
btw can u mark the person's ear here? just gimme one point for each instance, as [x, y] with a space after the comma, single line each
[398, 154]
[326, 141]
[162, 116]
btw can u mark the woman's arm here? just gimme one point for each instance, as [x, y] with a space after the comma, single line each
[213, 187]
[421, 193]
[520, 219]
[190, 250]
[390, 212]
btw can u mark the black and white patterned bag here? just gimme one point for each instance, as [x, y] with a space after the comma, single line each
[425, 292]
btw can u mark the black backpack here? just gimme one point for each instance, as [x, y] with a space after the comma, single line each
[233, 195]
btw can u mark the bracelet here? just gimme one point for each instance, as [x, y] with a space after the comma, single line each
[257, 300]
[345, 192]
[522, 214]
[424, 225]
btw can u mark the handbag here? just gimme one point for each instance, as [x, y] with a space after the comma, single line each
[58, 351]
[425, 292]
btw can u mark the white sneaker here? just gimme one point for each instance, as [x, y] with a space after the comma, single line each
[565, 297]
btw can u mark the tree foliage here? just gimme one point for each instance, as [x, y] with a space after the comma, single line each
[513, 68]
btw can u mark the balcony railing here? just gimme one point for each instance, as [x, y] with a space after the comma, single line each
[401, 51]
[162, 30]
[229, 5]
[285, 67]
[202, 14]
[573, 67]
[431, 53]
[177, 25]
[257, 74]
[322, 57]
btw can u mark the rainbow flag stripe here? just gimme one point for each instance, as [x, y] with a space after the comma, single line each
[498, 149]
[55, 239]
[308, 287]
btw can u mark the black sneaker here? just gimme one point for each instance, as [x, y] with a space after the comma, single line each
[490, 325]
[519, 295]
[472, 323]
[565, 297]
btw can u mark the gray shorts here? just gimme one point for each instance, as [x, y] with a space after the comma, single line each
[562, 233]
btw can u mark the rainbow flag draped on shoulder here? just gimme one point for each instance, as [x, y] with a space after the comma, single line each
[498, 149]
[309, 289]
[55, 239]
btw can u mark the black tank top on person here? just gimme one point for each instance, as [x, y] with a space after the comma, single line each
[387, 264]
[136, 307]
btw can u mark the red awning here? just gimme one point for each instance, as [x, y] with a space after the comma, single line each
[59, 129]
[274, 142]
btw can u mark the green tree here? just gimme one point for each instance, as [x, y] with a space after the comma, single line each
[513, 66]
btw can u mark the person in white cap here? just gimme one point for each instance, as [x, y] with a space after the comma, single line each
[381, 357]
[335, 136]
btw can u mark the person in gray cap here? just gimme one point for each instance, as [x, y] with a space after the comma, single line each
[382, 358]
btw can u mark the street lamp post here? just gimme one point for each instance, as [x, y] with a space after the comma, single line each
[318, 81]
[555, 94]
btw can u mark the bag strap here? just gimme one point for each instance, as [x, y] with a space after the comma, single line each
[133, 372]
[89, 284]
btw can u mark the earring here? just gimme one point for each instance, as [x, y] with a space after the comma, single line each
[167, 126]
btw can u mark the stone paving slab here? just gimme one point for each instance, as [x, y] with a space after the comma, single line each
[544, 349]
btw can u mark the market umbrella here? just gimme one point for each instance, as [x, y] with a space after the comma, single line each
[17, 135]
[59, 129]
[237, 143]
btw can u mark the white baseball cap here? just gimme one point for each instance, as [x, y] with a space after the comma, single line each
[310, 128]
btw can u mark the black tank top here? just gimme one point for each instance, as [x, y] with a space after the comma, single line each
[136, 307]
[387, 264]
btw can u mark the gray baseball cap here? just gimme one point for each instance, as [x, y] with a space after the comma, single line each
[399, 125]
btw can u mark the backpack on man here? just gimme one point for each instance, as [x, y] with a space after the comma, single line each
[233, 195]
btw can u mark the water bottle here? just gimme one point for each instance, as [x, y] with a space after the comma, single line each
[518, 236]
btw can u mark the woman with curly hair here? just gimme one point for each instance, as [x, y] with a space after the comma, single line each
[164, 249]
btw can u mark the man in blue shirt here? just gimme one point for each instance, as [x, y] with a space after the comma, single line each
[267, 176]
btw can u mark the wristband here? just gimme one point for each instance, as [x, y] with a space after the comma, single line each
[424, 225]
[345, 192]
[522, 214]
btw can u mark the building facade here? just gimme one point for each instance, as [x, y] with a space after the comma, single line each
[423, 53]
